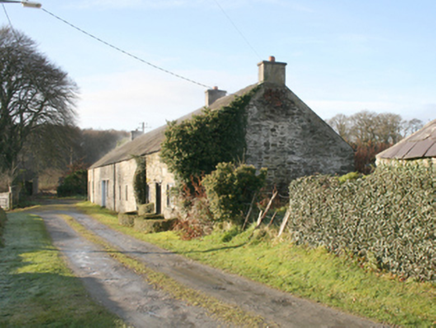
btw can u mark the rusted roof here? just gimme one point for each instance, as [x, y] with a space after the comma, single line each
[421, 144]
[150, 142]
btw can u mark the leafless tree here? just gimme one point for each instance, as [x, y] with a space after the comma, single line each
[34, 96]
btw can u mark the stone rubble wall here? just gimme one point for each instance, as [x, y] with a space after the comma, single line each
[286, 136]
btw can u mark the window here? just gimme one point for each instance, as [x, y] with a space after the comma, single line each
[127, 192]
[119, 192]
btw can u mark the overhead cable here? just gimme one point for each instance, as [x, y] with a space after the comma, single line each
[237, 29]
[124, 52]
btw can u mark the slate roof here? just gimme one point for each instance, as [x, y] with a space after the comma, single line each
[150, 142]
[421, 144]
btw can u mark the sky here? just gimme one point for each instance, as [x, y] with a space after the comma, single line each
[342, 56]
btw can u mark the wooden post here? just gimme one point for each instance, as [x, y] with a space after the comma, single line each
[285, 221]
[249, 211]
[259, 221]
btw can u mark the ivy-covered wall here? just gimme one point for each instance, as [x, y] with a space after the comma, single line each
[195, 146]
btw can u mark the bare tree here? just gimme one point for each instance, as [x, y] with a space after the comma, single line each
[341, 124]
[34, 95]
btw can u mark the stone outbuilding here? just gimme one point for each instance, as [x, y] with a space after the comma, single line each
[419, 146]
[282, 134]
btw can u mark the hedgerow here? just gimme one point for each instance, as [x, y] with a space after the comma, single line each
[386, 219]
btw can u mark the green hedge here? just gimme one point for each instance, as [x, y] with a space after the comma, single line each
[3, 220]
[387, 219]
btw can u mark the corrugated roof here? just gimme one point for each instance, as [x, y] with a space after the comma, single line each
[150, 142]
[421, 144]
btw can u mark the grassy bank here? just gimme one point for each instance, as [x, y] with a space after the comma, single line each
[314, 274]
[37, 289]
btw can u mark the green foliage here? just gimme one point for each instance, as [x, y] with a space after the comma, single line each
[140, 180]
[74, 184]
[349, 176]
[388, 218]
[231, 188]
[195, 146]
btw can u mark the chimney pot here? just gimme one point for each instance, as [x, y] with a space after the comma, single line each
[215, 88]
[272, 59]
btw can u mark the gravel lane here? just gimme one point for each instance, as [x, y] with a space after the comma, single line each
[278, 307]
[117, 288]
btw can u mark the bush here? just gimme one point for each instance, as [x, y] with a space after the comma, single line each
[231, 188]
[74, 184]
[387, 217]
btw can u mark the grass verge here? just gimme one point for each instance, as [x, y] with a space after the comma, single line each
[37, 288]
[310, 273]
[222, 311]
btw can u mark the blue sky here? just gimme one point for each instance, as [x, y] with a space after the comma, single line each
[343, 56]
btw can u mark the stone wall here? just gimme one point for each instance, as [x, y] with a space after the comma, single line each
[116, 180]
[286, 136]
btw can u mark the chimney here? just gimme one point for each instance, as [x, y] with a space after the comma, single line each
[272, 71]
[213, 94]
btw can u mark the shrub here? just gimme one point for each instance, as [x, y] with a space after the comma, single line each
[231, 188]
[74, 184]
[388, 217]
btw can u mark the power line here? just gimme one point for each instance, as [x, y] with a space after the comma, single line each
[123, 51]
[10, 23]
[236, 28]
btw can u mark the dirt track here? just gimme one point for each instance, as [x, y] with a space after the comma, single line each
[129, 296]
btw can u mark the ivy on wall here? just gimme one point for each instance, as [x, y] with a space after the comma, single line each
[140, 180]
[195, 146]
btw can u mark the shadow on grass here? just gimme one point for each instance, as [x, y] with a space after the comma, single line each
[37, 289]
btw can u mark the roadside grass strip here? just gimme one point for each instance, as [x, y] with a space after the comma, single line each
[37, 289]
[219, 310]
[337, 281]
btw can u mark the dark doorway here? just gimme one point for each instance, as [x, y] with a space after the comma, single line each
[158, 198]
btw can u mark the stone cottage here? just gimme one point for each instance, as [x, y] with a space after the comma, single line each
[420, 145]
[282, 134]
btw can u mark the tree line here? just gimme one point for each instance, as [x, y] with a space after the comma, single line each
[369, 133]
